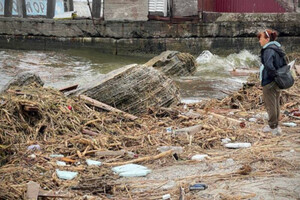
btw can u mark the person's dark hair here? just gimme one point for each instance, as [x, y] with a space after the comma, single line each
[268, 33]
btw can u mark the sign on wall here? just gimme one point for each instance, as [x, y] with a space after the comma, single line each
[34, 7]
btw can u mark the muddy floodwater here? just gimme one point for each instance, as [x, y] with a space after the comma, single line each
[213, 78]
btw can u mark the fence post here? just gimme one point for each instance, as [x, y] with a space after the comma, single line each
[51, 8]
[96, 7]
[8, 8]
[22, 8]
[71, 5]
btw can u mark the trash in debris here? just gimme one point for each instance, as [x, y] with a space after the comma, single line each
[33, 156]
[237, 145]
[131, 170]
[289, 124]
[56, 156]
[262, 115]
[68, 160]
[131, 154]
[169, 130]
[67, 175]
[60, 163]
[198, 186]
[292, 150]
[70, 107]
[296, 113]
[166, 196]
[242, 124]
[176, 149]
[252, 119]
[199, 157]
[93, 162]
[226, 140]
[34, 147]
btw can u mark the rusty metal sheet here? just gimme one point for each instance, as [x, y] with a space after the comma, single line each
[241, 6]
[249, 6]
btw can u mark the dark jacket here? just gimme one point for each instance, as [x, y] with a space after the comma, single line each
[272, 57]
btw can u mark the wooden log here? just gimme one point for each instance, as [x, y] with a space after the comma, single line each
[147, 158]
[106, 107]
[133, 89]
[32, 190]
[69, 88]
[174, 63]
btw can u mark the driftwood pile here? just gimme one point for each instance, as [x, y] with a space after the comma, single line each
[78, 129]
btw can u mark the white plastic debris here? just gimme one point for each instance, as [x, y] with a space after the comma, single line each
[199, 157]
[93, 162]
[131, 170]
[67, 175]
[169, 130]
[289, 124]
[252, 119]
[176, 149]
[237, 145]
[226, 140]
[231, 113]
[34, 147]
[57, 156]
[262, 115]
[292, 150]
[32, 156]
[166, 196]
[60, 163]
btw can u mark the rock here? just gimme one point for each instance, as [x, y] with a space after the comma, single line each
[174, 63]
[23, 79]
[133, 89]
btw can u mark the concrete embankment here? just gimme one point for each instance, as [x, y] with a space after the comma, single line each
[220, 33]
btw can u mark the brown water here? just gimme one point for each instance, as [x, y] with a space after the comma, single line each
[63, 68]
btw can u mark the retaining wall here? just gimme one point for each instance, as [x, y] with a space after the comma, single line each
[219, 33]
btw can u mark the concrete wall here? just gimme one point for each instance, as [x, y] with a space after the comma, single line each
[185, 7]
[131, 10]
[221, 34]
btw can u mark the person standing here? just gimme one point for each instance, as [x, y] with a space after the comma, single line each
[272, 58]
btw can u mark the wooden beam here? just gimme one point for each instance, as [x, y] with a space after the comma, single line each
[106, 107]
[8, 8]
[51, 8]
[69, 88]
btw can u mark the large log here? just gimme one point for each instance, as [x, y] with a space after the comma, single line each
[23, 79]
[133, 89]
[174, 63]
